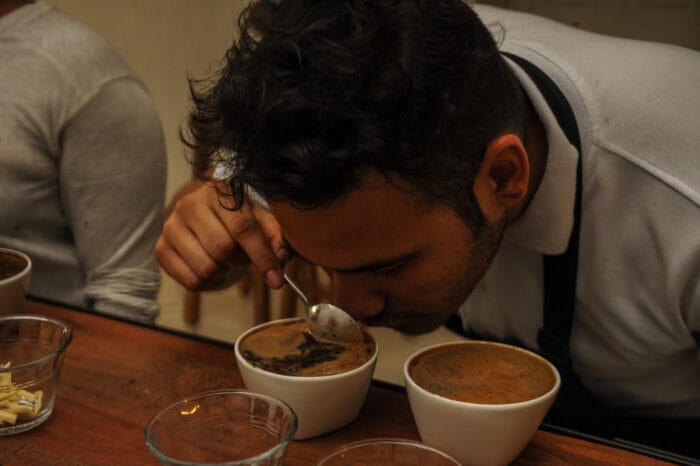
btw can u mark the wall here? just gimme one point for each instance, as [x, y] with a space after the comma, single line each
[671, 21]
[164, 40]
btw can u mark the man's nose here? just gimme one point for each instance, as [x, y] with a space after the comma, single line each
[355, 294]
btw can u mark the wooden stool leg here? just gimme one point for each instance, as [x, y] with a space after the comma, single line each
[261, 298]
[245, 283]
[192, 306]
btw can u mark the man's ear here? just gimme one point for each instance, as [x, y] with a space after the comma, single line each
[502, 180]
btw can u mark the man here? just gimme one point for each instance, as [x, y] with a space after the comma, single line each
[545, 193]
[82, 164]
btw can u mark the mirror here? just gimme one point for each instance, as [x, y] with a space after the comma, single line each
[165, 40]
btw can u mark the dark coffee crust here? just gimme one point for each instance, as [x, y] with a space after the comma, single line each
[289, 349]
[311, 352]
[11, 264]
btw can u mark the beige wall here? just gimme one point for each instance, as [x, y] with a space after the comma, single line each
[671, 21]
[164, 40]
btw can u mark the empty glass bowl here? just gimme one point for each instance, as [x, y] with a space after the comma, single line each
[32, 349]
[388, 452]
[226, 427]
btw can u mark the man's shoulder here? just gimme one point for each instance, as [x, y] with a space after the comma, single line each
[77, 51]
[628, 103]
[518, 25]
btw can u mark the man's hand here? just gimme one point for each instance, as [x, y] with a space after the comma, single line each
[205, 246]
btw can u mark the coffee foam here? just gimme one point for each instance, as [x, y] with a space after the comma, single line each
[482, 373]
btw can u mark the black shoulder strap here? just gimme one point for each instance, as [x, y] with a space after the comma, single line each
[559, 271]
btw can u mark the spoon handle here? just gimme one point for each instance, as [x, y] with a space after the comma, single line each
[296, 288]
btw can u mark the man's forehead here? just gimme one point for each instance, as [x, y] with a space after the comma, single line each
[369, 227]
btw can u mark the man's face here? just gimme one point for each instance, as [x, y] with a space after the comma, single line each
[393, 262]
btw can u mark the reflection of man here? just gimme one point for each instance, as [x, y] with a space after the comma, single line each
[82, 164]
[432, 177]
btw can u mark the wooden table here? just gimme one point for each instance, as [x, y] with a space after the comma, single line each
[117, 374]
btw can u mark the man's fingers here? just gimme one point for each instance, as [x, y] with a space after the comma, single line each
[246, 230]
[177, 268]
[273, 232]
[181, 254]
[213, 236]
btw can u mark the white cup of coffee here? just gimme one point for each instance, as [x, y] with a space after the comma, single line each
[481, 402]
[15, 273]
[325, 385]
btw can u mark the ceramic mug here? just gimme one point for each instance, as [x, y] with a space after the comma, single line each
[15, 273]
[322, 403]
[479, 401]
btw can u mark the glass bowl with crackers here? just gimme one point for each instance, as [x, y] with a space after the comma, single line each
[32, 349]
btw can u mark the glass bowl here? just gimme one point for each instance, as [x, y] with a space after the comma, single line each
[32, 349]
[225, 427]
[388, 452]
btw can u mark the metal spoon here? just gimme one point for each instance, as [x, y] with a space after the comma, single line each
[326, 321]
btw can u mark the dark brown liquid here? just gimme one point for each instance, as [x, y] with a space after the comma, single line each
[289, 349]
[482, 373]
[11, 264]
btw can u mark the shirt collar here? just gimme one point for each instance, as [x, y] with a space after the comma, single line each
[546, 225]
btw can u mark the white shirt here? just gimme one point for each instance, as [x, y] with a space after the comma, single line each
[636, 326]
[82, 165]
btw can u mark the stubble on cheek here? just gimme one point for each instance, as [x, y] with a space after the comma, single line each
[462, 276]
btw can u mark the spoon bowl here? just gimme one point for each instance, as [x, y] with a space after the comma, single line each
[326, 321]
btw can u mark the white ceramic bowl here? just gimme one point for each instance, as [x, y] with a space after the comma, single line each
[322, 403]
[477, 434]
[14, 288]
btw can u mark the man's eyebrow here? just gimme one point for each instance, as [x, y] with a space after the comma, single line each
[369, 267]
[380, 264]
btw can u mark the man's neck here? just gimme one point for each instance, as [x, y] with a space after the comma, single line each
[536, 147]
[8, 6]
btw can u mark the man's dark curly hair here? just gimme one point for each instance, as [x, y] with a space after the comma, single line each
[316, 93]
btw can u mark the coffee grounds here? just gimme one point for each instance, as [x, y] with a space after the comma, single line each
[311, 353]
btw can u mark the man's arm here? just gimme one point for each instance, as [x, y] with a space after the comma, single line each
[112, 177]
